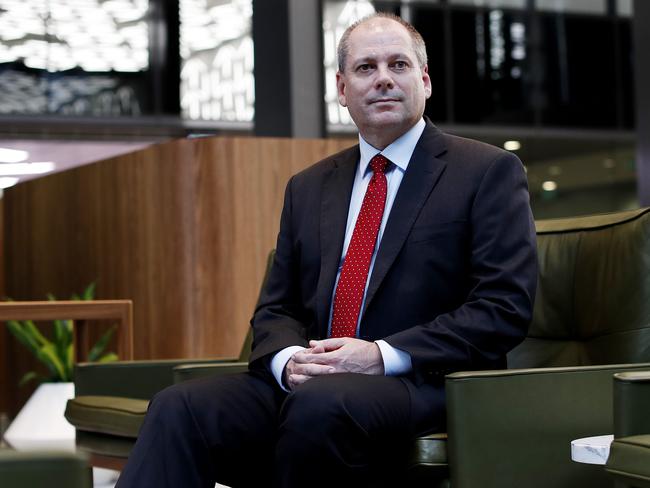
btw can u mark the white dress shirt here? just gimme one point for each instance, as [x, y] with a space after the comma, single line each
[399, 153]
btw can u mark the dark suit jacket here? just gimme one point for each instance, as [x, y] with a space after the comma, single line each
[454, 278]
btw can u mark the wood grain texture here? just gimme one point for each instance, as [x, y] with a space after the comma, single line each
[182, 229]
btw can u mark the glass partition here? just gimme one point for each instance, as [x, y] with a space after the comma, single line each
[74, 57]
[216, 48]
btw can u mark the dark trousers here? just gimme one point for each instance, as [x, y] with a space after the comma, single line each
[244, 431]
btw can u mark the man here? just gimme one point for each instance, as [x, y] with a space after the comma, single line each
[398, 261]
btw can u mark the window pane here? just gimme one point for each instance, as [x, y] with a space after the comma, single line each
[491, 3]
[78, 57]
[490, 66]
[430, 23]
[217, 60]
[626, 59]
[338, 16]
[580, 69]
[573, 6]
[624, 8]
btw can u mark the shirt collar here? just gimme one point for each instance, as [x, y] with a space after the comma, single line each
[399, 151]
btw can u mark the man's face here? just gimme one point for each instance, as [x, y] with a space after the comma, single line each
[383, 85]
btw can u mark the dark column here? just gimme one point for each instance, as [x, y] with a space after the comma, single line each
[642, 80]
[288, 68]
[164, 56]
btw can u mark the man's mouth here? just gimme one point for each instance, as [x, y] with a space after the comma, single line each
[383, 100]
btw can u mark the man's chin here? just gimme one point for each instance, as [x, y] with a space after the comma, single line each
[386, 119]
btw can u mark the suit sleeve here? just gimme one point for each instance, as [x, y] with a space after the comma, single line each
[503, 276]
[279, 319]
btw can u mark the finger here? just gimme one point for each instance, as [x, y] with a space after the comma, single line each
[297, 379]
[317, 349]
[312, 369]
[323, 358]
[301, 357]
[333, 343]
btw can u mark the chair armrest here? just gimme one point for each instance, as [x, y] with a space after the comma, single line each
[131, 379]
[629, 461]
[631, 403]
[40, 468]
[514, 427]
[187, 372]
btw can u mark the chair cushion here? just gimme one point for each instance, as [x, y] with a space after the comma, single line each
[107, 414]
[629, 460]
[113, 446]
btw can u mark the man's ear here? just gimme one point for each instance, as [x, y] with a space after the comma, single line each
[340, 88]
[426, 80]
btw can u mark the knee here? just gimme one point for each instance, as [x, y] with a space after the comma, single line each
[169, 403]
[316, 406]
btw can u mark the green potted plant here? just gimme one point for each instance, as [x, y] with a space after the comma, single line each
[40, 423]
[58, 354]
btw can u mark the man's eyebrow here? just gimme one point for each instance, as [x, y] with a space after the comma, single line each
[364, 60]
[370, 59]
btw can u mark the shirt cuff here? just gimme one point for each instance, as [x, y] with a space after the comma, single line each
[396, 361]
[280, 360]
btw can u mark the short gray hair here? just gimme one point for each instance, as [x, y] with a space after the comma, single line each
[418, 43]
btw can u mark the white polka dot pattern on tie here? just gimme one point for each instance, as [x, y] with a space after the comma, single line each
[352, 282]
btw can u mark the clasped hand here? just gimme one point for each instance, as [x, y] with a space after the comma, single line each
[337, 355]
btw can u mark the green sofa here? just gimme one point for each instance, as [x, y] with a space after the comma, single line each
[509, 428]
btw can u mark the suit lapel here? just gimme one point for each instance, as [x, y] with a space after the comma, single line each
[335, 202]
[421, 176]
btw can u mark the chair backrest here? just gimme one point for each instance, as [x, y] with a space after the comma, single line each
[593, 293]
[248, 342]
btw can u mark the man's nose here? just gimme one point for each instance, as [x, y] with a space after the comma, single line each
[384, 78]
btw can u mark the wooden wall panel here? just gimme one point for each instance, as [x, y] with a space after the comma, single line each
[181, 228]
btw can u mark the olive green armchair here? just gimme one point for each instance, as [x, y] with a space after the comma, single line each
[509, 428]
[629, 458]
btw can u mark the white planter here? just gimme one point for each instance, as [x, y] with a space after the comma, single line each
[41, 424]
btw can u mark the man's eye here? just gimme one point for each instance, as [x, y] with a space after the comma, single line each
[400, 65]
[364, 68]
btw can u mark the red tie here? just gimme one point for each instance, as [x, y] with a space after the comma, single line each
[352, 282]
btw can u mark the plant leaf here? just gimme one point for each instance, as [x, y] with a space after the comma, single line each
[31, 329]
[69, 360]
[108, 358]
[50, 297]
[101, 344]
[32, 375]
[47, 355]
[23, 337]
[89, 292]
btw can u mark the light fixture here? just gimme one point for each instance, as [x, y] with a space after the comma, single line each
[6, 182]
[549, 186]
[512, 145]
[26, 168]
[12, 155]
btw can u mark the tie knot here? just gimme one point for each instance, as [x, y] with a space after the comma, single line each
[378, 164]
